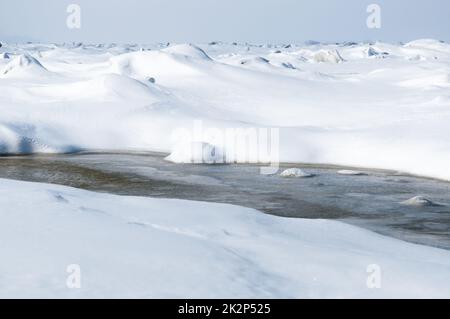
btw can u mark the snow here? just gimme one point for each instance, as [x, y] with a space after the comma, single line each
[372, 52]
[328, 56]
[197, 153]
[155, 248]
[295, 172]
[378, 105]
[419, 201]
[23, 65]
[351, 172]
[188, 51]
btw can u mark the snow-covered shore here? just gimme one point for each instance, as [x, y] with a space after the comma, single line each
[141, 247]
[364, 105]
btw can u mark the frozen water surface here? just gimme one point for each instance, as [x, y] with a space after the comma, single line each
[374, 201]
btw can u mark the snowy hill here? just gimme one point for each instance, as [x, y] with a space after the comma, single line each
[375, 105]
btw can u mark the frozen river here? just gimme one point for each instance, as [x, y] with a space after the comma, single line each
[373, 201]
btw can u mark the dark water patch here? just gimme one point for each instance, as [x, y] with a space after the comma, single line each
[373, 201]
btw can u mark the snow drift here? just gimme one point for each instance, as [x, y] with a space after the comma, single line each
[332, 103]
[23, 65]
[130, 247]
[328, 56]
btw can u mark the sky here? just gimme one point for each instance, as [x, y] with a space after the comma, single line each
[256, 21]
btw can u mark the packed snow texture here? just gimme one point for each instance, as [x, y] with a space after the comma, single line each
[375, 105]
[155, 248]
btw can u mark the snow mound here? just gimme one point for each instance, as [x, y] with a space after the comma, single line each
[372, 52]
[296, 172]
[128, 88]
[188, 51]
[182, 249]
[330, 56]
[16, 140]
[419, 201]
[371, 99]
[108, 87]
[162, 65]
[430, 44]
[24, 64]
[351, 172]
[196, 153]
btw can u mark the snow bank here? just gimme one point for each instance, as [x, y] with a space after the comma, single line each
[21, 139]
[169, 63]
[129, 247]
[328, 56]
[367, 112]
[428, 44]
[24, 65]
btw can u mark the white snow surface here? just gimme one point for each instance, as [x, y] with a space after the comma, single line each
[375, 105]
[130, 247]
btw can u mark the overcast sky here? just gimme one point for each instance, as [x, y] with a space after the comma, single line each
[148, 21]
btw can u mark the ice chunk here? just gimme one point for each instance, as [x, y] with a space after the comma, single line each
[351, 172]
[296, 172]
[419, 201]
